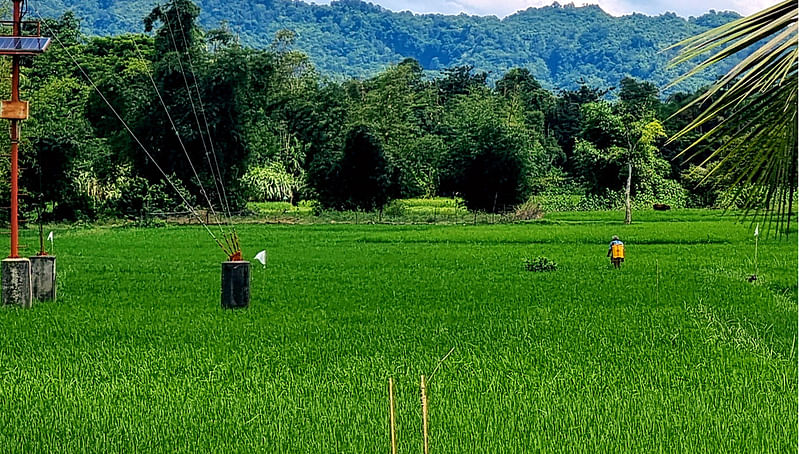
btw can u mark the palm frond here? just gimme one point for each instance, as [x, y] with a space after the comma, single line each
[757, 103]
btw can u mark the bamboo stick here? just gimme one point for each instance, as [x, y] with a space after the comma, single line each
[391, 415]
[424, 415]
[756, 254]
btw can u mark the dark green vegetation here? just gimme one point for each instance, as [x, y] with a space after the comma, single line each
[675, 352]
[558, 44]
[360, 178]
[277, 130]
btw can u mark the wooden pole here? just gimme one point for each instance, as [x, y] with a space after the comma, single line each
[391, 415]
[424, 415]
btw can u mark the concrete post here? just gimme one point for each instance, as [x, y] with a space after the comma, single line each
[43, 277]
[235, 284]
[16, 279]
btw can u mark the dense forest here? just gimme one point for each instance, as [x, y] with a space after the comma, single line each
[558, 45]
[278, 130]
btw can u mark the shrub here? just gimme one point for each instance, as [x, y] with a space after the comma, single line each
[528, 211]
[136, 196]
[539, 264]
[270, 183]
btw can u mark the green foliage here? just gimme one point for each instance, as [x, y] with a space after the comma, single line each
[270, 183]
[270, 127]
[559, 45]
[608, 200]
[491, 157]
[401, 109]
[361, 177]
[136, 197]
[539, 264]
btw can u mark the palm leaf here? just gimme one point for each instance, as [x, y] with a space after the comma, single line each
[757, 101]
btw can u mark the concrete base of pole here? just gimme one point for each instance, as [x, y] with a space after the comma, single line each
[235, 284]
[43, 277]
[16, 279]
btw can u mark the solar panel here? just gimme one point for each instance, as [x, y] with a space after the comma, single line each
[11, 45]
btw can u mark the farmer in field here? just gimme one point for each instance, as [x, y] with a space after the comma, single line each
[616, 250]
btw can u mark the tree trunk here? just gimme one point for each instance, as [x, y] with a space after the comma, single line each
[628, 195]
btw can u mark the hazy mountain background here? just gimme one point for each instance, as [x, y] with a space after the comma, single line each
[560, 45]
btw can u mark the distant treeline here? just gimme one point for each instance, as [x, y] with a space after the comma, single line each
[278, 130]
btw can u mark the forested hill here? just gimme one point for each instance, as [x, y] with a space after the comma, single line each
[558, 44]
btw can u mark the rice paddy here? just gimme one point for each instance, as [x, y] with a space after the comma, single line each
[674, 352]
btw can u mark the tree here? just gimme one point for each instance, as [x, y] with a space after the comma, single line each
[460, 80]
[613, 140]
[638, 138]
[638, 96]
[518, 85]
[361, 179]
[400, 107]
[492, 155]
[759, 154]
[564, 119]
[194, 126]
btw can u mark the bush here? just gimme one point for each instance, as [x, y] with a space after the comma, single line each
[539, 264]
[270, 183]
[395, 208]
[492, 179]
[608, 200]
[528, 211]
[138, 196]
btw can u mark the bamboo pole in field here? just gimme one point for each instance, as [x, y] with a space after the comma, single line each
[391, 415]
[756, 275]
[424, 415]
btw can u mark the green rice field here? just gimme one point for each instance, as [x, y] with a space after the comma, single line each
[674, 352]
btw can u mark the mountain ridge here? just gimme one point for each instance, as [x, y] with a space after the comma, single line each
[560, 44]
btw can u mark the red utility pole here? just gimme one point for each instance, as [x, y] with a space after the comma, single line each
[16, 273]
[15, 137]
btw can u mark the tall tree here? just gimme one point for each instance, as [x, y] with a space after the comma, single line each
[564, 119]
[400, 107]
[492, 154]
[361, 179]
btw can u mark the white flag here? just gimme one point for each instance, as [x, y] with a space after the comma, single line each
[50, 237]
[756, 234]
[262, 257]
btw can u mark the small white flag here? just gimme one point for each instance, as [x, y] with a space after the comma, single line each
[50, 237]
[756, 234]
[262, 257]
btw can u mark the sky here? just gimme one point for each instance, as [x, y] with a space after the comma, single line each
[502, 8]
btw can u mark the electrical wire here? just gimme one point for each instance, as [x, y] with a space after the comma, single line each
[221, 186]
[132, 134]
[177, 133]
[202, 111]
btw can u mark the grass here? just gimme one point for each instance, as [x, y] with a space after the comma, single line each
[439, 210]
[675, 352]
